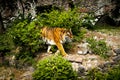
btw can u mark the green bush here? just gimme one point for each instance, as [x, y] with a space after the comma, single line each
[57, 18]
[26, 35]
[98, 47]
[54, 68]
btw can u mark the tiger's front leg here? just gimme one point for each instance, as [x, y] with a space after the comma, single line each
[48, 50]
[60, 47]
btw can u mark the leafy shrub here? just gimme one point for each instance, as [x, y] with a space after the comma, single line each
[54, 68]
[56, 18]
[98, 47]
[26, 35]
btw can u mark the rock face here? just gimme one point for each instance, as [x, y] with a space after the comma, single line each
[26, 7]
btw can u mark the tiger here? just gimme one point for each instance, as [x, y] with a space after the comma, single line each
[56, 36]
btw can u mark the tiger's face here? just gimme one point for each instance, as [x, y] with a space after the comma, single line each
[68, 36]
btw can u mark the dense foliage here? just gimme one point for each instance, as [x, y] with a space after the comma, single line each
[54, 68]
[26, 35]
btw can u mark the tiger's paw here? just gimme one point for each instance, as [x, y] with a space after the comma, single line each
[65, 55]
[57, 52]
[50, 52]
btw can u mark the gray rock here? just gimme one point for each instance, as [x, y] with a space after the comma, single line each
[111, 53]
[108, 63]
[116, 58]
[83, 48]
[81, 70]
[117, 51]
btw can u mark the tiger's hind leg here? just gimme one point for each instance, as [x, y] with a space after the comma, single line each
[60, 47]
[48, 50]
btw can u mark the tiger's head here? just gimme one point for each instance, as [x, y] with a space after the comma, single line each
[68, 36]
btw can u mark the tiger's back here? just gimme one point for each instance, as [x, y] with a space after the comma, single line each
[56, 36]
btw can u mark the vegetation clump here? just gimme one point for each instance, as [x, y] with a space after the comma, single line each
[112, 73]
[54, 68]
[98, 47]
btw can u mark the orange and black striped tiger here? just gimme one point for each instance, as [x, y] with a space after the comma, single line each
[56, 36]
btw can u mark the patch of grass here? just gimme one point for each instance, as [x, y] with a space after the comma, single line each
[109, 29]
[98, 47]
